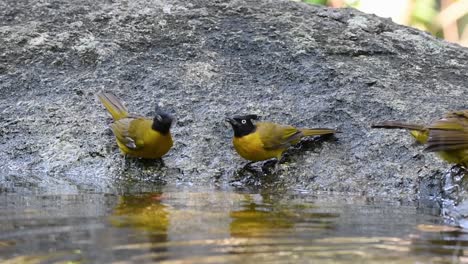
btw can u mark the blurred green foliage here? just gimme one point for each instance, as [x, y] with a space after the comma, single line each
[424, 11]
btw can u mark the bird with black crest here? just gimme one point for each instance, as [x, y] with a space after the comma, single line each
[138, 136]
[266, 140]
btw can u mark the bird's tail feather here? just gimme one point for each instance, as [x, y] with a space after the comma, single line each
[113, 104]
[317, 131]
[420, 133]
[397, 125]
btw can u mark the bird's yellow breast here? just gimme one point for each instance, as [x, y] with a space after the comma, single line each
[458, 156]
[251, 147]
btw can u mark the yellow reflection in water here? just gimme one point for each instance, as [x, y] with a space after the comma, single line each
[6, 243]
[262, 216]
[224, 227]
[143, 212]
[256, 219]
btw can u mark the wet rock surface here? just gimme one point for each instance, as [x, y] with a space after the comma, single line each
[288, 62]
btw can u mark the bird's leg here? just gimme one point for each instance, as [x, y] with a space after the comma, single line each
[281, 159]
[161, 162]
[125, 164]
[268, 164]
[248, 167]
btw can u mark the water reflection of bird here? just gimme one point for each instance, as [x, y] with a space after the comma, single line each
[138, 136]
[144, 212]
[447, 136]
[268, 215]
[266, 140]
[259, 219]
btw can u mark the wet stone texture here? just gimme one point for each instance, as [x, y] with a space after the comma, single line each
[203, 60]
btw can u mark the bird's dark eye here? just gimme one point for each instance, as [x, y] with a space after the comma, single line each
[244, 121]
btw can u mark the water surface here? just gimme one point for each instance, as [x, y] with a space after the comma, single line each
[183, 225]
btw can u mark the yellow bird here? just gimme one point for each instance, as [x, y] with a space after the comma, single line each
[265, 140]
[138, 136]
[447, 136]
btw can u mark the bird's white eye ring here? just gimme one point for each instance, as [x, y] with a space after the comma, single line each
[244, 121]
[159, 118]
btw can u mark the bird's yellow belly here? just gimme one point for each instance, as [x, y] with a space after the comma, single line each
[155, 146]
[459, 157]
[250, 147]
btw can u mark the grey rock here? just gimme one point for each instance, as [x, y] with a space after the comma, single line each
[288, 62]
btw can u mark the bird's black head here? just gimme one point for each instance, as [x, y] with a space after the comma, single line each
[162, 122]
[242, 125]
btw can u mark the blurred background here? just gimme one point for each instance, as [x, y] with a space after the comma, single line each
[445, 19]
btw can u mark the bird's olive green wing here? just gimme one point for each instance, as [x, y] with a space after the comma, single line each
[126, 132]
[276, 136]
[450, 133]
[463, 114]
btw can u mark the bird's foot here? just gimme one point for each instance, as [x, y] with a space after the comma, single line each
[271, 167]
[153, 163]
[249, 168]
[458, 170]
[268, 167]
